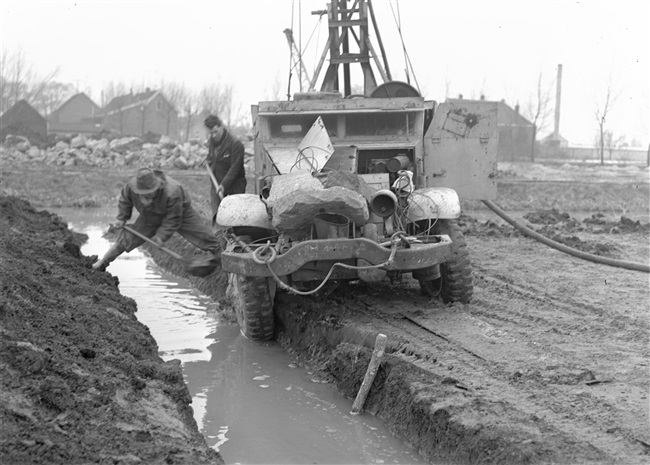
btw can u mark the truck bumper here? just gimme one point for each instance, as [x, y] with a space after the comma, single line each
[425, 252]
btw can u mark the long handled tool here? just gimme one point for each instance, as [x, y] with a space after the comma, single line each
[215, 183]
[199, 266]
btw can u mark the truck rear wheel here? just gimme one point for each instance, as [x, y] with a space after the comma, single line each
[252, 298]
[455, 282]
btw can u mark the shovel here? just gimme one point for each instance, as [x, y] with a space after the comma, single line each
[199, 266]
[214, 181]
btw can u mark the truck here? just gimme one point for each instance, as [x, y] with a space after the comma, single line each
[356, 186]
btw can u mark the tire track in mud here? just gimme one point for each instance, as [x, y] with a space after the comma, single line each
[549, 385]
[585, 352]
[557, 314]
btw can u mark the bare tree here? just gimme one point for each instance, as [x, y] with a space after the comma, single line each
[538, 108]
[18, 81]
[603, 107]
[611, 142]
[217, 99]
[481, 92]
[274, 91]
[52, 96]
[184, 101]
[447, 84]
[240, 117]
[190, 111]
[14, 73]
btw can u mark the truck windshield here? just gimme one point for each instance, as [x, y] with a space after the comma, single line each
[350, 124]
[380, 124]
[296, 126]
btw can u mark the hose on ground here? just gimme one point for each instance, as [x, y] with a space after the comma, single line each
[563, 248]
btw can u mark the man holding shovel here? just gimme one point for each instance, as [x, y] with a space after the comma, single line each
[226, 161]
[164, 207]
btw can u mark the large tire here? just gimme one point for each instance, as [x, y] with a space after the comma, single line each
[455, 282]
[252, 299]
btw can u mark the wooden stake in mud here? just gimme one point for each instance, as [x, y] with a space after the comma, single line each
[375, 360]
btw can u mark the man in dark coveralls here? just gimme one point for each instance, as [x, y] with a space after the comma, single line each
[226, 161]
[165, 207]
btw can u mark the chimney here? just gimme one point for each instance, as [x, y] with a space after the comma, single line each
[558, 98]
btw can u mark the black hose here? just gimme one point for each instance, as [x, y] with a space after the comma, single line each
[563, 248]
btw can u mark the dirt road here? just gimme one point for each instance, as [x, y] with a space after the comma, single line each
[548, 364]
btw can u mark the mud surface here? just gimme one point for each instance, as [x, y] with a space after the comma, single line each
[548, 364]
[81, 378]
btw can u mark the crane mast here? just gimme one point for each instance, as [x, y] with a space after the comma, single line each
[348, 43]
[296, 61]
[349, 26]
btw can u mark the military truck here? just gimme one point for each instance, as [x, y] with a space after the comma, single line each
[356, 187]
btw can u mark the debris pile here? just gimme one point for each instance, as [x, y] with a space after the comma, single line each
[551, 221]
[599, 224]
[551, 217]
[470, 226]
[561, 227]
[125, 151]
[106, 152]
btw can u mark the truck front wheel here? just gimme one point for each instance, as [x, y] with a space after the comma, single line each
[455, 282]
[252, 298]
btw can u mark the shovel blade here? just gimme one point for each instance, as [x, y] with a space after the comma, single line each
[202, 266]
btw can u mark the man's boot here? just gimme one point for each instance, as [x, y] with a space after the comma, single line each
[216, 254]
[114, 252]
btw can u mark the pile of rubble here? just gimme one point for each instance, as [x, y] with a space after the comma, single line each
[126, 151]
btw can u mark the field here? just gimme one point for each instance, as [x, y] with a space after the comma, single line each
[548, 364]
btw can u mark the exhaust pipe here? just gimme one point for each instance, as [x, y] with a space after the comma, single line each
[383, 203]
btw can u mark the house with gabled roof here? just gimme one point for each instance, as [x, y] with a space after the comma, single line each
[77, 115]
[516, 133]
[22, 119]
[141, 114]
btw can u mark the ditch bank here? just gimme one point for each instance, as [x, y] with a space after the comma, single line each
[81, 379]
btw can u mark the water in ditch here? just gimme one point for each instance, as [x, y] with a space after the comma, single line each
[251, 401]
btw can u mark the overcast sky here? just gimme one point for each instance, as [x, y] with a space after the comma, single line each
[495, 48]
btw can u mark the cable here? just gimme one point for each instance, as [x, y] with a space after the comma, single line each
[301, 157]
[407, 59]
[563, 248]
[395, 240]
[412, 201]
[259, 258]
[301, 50]
[290, 56]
